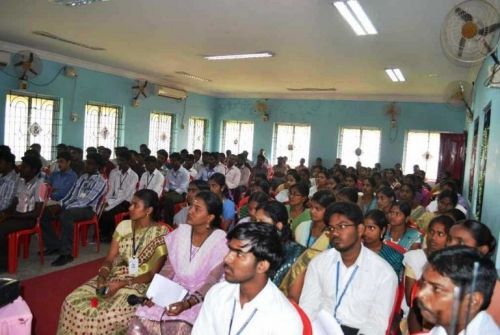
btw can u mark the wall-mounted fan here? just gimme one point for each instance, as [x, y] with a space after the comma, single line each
[471, 31]
[27, 65]
[140, 89]
[458, 94]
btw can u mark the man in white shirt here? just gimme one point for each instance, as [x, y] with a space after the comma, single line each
[233, 174]
[175, 187]
[248, 302]
[188, 165]
[221, 164]
[349, 282]
[122, 185]
[455, 290]
[152, 179]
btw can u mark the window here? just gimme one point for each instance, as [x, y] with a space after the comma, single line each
[160, 132]
[102, 126]
[28, 120]
[237, 137]
[422, 149]
[292, 141]
[366, 139]
[196, 134]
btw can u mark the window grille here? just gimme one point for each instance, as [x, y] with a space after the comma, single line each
[160, 132]
[366, 139]
[422, 149]
[237, 136]
[197, 133]
[292, 141]
[103, 126]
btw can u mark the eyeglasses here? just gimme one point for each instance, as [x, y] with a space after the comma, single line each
[338, 228]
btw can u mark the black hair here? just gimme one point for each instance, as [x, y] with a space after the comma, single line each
[220, 179]
[201, 185]
[481, 234]
[456, 214]
[91, 150]
[294, 174]
[162, 152]
[177, 156]
[150, 199]
[36, 145]
[97, 159]
[64, 155]
[300, 187]
[126, 155]
[324, 198]
[323, 171]
[349, 210]
[372, 181]
[387, 191]
[379, 218]
[278, 213]
[214, 206]
[404, 207]
[350, 193]
[263, 240]
[411, 187]
[4, 149]
[8, 157]
[263, 184]
[259, 197]
[150, 159]
[450, 195]
[446, 220]
[353, 176]
[457, 263]
[33, 162]
[451, 183]
[197, 151]
[77, 149]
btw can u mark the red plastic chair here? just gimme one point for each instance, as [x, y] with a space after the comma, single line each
[119, 217]
[178, 206]
[400, 293]
[307, 326]
[80, 229]
[23, 237]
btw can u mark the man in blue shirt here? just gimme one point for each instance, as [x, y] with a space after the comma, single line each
[79, 204]
[63, 179]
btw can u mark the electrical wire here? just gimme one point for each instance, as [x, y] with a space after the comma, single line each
[34, 83]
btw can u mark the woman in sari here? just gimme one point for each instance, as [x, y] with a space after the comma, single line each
[399, 235]
[408, 193]
[297, 210]
[137, 252]
[368, 201]
[195, 261]
[275, 213]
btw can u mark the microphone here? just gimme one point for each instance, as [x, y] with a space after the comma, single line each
[135, 300]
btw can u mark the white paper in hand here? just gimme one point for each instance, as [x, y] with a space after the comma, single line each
[164, 291]
[325, 324]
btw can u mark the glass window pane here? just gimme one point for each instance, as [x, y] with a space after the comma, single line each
[160, 132]
[368, 140]
[196, 134]
[101, 126]
[291, 141]
[422, 149]
[237, 137]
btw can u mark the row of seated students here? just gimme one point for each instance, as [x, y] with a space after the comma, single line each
[328, 224]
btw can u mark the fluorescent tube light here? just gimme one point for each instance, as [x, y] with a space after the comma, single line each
[395, 74]
[192, 76]
[347, 15]
[391, 75]
[356, 17]
[240, 56]
[362, 17]
[399, 74]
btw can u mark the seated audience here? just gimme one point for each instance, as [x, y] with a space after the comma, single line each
[255, 252]
[455, 290]
[376, 225]
[108, 165]
[447, 200]
[152, 179]
[275, 213]
[283, 190]
[195, 261]
[176, 187]
[385, 199]
[256, 200]
[137, 252]
[64, 178]
[233, 174]
[368, 201]
[208, 169]
[217, 184]
[297, 210]
[350, 282]
[194, 188]
[320, 182]
[407, 193]
[308, 232]
[399, 235]
[8, 180]
[77, 163]
[347, 194]
[121, 188]
[24, 208]
[79, 204]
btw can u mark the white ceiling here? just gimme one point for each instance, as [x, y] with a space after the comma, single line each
[314, 46]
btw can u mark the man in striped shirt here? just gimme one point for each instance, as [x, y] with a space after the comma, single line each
[79, 204]
[8, 180]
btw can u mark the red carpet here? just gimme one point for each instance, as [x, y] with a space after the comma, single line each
[45, 294]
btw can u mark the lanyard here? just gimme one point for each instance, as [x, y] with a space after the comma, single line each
[122, 180]
[148, 180]
[134, 249]
[244, 325]
[339, 300]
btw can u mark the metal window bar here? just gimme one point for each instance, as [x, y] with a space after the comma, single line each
[295, 136]
[103, 125]
[197, 131]
[31, 119]
[160, 132]
[237, 136]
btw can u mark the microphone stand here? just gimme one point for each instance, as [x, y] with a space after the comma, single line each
[456, 305]
[475, 272]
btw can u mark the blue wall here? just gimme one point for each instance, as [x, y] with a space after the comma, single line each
[327, 117]
[92, 86]
[482, 97]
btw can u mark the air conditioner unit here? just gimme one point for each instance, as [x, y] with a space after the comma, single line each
[4, 59]
[168, 92]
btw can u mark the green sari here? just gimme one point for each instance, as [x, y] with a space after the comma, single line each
[294, 222]
[83, 312]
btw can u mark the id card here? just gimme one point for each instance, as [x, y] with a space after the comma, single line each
[133, 265]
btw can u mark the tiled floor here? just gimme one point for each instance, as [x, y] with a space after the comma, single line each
[31, 267]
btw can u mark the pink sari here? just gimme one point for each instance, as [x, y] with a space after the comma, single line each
[196, 269]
